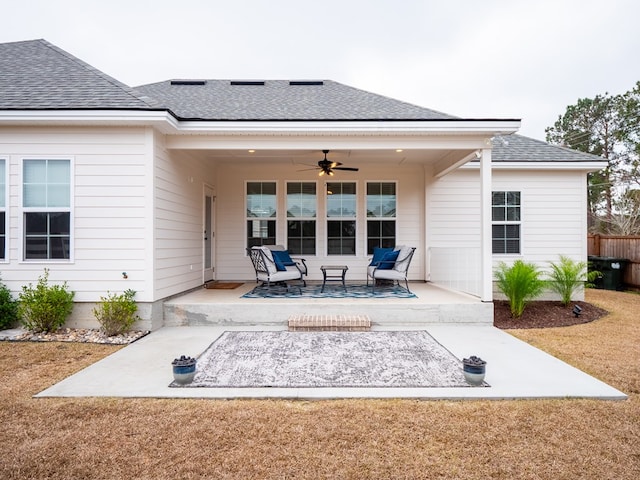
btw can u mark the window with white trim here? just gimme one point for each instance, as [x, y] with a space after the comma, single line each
[261, 213]
[506, 222]
[301, 218]
[341, 218]
[381, 215]
[3, 209]
[46, 205]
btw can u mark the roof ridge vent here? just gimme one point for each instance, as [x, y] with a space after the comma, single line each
[247, 82]
[188, 82]
[306, 82]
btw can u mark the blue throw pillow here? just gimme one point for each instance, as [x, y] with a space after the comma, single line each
[282, 259]
[389, 260]
[378, 254]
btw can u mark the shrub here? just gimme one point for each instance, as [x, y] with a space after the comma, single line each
[45, 308]
[520, 283]
[116, 313]
[8, 308]
[567, 276]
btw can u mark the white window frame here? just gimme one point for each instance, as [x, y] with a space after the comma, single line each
[275, 219]
[368, 218]
[5, 209]
[506, 222]
[302, 218]
[70, 209]
[355, 218]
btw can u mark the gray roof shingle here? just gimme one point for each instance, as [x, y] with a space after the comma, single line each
[35, 75]
[524, 149]
[281, 100]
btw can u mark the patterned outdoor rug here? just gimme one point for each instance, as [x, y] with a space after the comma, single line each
[330, 291]
[327, 359]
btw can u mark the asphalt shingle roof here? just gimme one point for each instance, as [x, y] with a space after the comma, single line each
[281, 100]
[517, 148]
[35, 75]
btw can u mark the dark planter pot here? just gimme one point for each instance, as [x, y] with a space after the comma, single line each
[184, 369]
[474, 369]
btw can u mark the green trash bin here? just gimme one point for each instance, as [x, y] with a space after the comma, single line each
[612, 272]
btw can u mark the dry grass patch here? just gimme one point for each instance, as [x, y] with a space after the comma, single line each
[273, 439]
[607, 348]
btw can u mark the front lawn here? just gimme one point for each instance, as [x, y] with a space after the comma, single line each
[358, 439]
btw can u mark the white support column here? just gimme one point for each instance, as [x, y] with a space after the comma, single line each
[486, 257]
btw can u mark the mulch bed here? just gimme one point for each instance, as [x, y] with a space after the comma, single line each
[544, 314]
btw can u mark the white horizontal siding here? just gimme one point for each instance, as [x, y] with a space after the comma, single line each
[453, 210]
[553, 212]
[109, 214]
[178, 220]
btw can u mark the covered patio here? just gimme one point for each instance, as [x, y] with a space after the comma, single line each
[220, 307]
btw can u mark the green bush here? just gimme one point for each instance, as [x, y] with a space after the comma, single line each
[8, 308]
[520, 283]
[116, 313]
[45, 308]
[567, 276]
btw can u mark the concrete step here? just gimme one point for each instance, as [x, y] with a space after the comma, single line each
[269, 313]
[329, 323]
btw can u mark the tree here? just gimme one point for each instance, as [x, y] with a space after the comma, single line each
[630, 133]
[607, 126]
[625, 219]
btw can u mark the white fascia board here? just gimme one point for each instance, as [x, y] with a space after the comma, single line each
[161, 119]
[439, 127]
[167, 123]
[559, 165]
[339, 134]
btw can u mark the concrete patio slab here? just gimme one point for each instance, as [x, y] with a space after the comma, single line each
[515, 370]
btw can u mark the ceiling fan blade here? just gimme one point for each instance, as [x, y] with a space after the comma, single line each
[351, 169]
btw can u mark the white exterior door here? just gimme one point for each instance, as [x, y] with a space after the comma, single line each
[209, 235]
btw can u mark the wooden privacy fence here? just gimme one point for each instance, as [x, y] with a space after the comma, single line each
[618, 247]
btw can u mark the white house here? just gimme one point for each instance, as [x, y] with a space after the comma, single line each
[161, 187]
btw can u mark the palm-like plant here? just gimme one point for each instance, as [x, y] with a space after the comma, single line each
[567, 276]
[520, 283]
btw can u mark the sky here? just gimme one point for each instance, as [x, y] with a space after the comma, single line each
[522, 59]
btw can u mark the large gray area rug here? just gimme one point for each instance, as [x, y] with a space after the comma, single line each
[333, 290]
[327, 359]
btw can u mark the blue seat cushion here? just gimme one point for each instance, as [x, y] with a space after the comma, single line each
[378, 255]
[282, 259]
[389, 260]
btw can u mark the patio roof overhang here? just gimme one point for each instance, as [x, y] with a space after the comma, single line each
[442, 144]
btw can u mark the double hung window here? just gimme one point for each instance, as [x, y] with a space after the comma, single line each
[381, 215]
[261, 213]
[301, 218]
[46, 203]
[341, 218]
[506, 218]
[3, 209]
